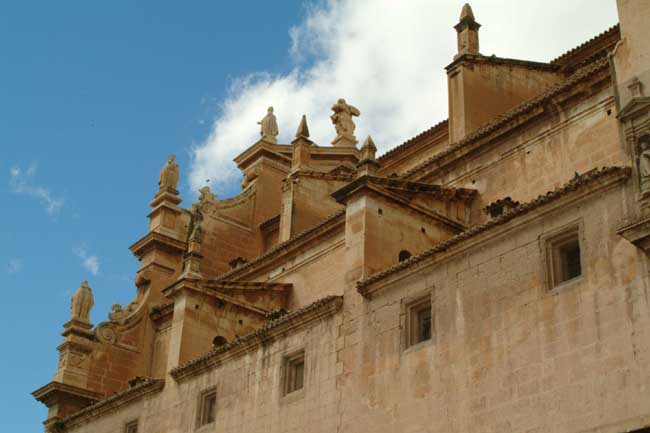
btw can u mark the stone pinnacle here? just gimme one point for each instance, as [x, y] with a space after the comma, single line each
[303, 130]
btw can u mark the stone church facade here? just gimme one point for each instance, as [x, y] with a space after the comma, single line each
[487, 275]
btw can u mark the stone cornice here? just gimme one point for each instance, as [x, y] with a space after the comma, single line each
[586, 184]
[159, 240]
[518, 116]
[52, 390]
[638, 233]
[397, 184]
[281, 250]
[479, 58]
[636, 106]
[270, 223]
[289, 322]
[277, 152]
[222, 290]
[121, 399]
[162, 312]
[216, 284]
[320, 175]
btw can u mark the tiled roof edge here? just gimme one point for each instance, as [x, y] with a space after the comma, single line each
[519, 110]
[322, 308]
[572, 185]
[414, 140]
[123, 398]
[574, 50]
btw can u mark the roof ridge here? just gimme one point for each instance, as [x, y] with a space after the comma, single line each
[522, 108]
[594, 39]
[521, 209]
[154, 384]
[413, 139]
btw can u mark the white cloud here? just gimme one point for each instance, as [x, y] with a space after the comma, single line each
[387, 58]
[22, 182]
[14, 266]
[88, 261]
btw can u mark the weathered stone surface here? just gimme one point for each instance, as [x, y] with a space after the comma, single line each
[327, 249]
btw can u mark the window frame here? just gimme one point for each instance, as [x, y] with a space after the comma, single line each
[202, 414]
[129, 425]
[289, 374]
[411, 309]
[552, 245]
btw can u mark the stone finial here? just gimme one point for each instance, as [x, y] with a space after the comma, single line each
[301, 145]
[368, 150]
[368, 164]
[303, 129]
[82, 302]
[269, 127]
[466, 14]
[467, 29]
[342, 120]
[168, 179]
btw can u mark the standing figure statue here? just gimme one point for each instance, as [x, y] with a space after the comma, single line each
[168, 179]
[644, 162]
[342, 120]
[269, 127]
[82, 302]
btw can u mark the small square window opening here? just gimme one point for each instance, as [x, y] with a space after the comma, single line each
[208, 408]
[419, 321]
[131, 427]
[564, 258]
[295, 373]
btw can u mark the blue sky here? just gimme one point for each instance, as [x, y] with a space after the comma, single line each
[95, 95]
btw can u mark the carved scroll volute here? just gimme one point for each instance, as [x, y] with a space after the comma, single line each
[143, 279]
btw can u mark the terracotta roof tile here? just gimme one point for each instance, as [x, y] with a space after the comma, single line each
[563, 58]
[414, 140]
[145, 386]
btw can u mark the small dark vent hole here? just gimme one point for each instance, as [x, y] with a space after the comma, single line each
[219, 340]
[404, 255]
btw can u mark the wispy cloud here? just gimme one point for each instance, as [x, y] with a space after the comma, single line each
[22, 182]
[88, 261]
[387, 58]
[14, 266]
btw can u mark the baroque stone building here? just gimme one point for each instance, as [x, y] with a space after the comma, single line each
[488, 275]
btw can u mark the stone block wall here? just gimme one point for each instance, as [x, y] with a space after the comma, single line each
[249, 392]
[507, 354]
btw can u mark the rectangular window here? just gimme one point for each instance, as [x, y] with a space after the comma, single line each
[207, 407]
[294, 373]
[419, 321]
[563, 257]
[131, 427]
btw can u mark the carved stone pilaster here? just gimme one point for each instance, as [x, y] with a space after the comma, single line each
[635, 123]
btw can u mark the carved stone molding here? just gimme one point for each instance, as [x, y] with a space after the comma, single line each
[637, 233]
